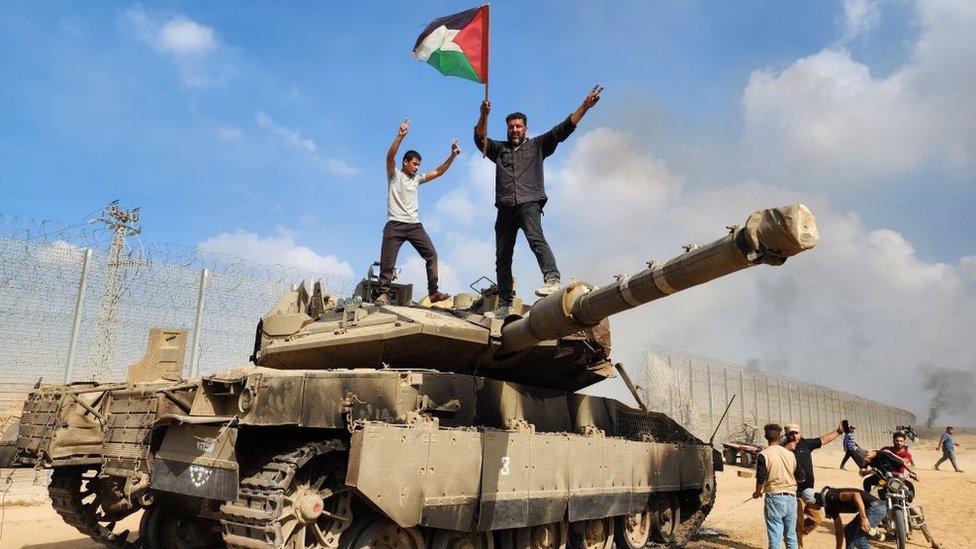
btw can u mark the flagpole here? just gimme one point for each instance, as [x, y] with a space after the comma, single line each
[484, 143]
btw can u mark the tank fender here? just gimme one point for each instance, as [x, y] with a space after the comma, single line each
[198, 460]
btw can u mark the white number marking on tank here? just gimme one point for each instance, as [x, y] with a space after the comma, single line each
[199, 475]
[505, 462]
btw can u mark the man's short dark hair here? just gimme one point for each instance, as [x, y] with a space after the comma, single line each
[948, 428]
[897, 434]
[772, 431]
[516, 115]
[410, 155]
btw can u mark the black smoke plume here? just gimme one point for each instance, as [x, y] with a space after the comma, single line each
[953, 392]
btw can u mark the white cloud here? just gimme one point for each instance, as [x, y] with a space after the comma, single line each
[860, 16]
[339, 166]
[280, 249]
[292, 137]
[827, 116]
[229, 133]
[188, 43]
[184, 37]
[295, 139]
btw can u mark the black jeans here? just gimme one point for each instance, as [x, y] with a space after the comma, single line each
[394, 235]
[527, 217]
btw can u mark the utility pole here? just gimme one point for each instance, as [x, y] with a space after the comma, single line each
[122, 223]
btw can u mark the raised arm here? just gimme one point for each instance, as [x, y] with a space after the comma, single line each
[391, 154]
[479, 128]
[439, 170]
[829, 437]
[588, 102]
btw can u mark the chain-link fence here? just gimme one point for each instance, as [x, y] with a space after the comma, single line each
[695, 390]
[71, 310]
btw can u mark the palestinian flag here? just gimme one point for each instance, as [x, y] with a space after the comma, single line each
[457, 45]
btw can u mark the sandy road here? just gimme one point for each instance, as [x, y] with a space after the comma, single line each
[948, 498]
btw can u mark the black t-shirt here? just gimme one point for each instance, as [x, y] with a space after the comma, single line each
[833, 505]
[805, 460]
[886, 461]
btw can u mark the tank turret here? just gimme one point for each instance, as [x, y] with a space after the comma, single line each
[560, 342]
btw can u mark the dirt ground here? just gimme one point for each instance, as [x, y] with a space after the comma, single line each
[948, 498]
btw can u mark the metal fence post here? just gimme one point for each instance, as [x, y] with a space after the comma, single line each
[742, 399]
[799, 407]
[69, 366]
[725, 377]
[671, 386]
[755, 398]
[198, 326]
[708, 378]
[779, 398]
[769, 409]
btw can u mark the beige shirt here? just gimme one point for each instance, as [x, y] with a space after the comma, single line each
[780, 470]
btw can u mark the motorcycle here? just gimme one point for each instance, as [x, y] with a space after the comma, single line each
[908, 430]
[902, 517]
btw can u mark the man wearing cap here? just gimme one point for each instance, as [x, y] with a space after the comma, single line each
[869, 512]
[803, 448]
[777, 474]
[850, 445]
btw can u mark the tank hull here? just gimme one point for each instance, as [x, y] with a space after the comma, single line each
[429, 451]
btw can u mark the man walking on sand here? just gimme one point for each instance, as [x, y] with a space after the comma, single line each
[403, 223]
[520, 193]
[777, 474]
[948, 447]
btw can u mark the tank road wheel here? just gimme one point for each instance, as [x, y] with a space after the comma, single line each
[161, 528]
[730, 456]
[383, 533]
[294, 499]
[634, 531]
[90, 504]
[449, 539]
[665, 517]
[543, 536]
[592, 534]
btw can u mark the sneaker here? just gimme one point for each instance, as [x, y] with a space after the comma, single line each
[437, 297]
[383, 299]
[500, 312]
[550, 287]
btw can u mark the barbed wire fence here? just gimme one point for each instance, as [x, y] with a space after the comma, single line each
[695, 390]
[73, 310]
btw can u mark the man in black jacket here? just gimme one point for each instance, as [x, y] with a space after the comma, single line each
[520, 193]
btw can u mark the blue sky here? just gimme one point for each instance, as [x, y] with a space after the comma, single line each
[261, 130]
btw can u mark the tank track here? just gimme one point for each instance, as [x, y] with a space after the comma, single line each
[251, 521]
[67, 498]
[687, 529]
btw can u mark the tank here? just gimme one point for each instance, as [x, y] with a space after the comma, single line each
[403, 425]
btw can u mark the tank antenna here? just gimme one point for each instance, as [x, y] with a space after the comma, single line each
[630, 385]
[721, 420]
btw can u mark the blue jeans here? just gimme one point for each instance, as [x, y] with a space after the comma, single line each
[780, 511]
[857, 538]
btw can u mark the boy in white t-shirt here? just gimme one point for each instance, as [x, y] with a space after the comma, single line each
[403, 224]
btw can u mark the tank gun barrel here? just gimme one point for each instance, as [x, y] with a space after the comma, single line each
[769, 237]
